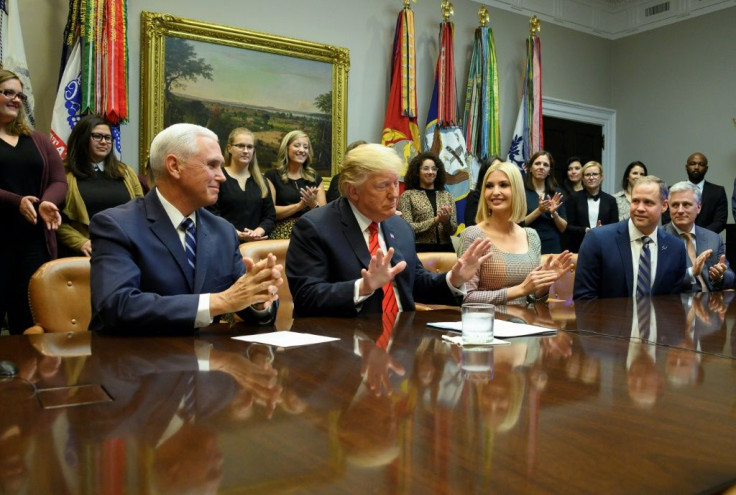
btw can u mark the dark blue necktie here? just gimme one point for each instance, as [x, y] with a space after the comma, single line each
[644, 289]
[190, 240]
[644, 278]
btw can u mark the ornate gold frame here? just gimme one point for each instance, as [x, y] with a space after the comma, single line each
[156, 27]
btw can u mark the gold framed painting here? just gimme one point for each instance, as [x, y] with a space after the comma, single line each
[223, 77]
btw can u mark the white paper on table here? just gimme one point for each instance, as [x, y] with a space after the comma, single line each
[458, 340]
[501, 328]
[286, 339]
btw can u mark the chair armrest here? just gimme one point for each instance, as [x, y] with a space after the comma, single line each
[35, 329]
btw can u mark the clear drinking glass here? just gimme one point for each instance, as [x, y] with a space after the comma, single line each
[478, 323]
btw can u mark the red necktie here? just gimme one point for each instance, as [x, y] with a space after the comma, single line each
[389, 305]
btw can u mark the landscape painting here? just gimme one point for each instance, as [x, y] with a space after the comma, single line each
[223, 78]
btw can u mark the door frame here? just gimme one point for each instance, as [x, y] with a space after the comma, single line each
[589, 114]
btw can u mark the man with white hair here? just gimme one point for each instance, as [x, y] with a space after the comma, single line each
[707, 266]
[163, 264]
[353, 255]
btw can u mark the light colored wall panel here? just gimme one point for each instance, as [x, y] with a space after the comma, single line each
[673, 89]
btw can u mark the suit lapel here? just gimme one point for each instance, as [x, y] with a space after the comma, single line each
[663, 249]
[166, 233]
[392, 241]
[205, 244]
[623, 241]
[353, 234]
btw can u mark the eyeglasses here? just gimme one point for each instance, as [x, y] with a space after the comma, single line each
[11, 94]
[101, 137]
[590, 175]
[243, 146]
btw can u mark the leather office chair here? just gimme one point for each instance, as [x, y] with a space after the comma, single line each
[258, 250]
[436, 263]
[59, 296]
[563, 287]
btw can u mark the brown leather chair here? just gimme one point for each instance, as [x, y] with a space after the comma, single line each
[258, 250]
[563, 287]
[59, 296]
[436, 263]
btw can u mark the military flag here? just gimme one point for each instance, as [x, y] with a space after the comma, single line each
[400, 130]
[443, 133]
[528, 135]
[481, 117]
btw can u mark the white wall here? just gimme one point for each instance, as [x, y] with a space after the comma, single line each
[674, 90]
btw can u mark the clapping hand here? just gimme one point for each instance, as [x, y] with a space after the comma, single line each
[700, 262]
[560, 263]
[309, 196]
[717, 271]
[443, 214]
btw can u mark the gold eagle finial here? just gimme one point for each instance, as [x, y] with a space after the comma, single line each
[483, 16]
[534, 25]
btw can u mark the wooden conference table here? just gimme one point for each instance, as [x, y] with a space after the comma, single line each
[587, 410]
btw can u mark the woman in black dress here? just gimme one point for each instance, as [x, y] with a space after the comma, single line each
[295, 186]
[32, 188]
[245, 199]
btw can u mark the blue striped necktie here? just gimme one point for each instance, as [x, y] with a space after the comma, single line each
[644, 278]
[190, 240]
[644, 289]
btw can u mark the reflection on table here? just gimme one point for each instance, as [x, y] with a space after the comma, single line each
[589, 409]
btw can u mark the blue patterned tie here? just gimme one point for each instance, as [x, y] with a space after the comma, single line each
[644, 289]
[190, 240]
[644, 278]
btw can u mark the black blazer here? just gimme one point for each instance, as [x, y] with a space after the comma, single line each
[327, 252]
[577, 216]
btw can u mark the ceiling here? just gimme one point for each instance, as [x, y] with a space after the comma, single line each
[611, 19]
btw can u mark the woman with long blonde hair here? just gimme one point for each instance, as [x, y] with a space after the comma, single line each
[295, 185]
[514, 274]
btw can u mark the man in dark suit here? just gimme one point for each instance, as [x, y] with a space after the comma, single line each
[705, 249]
[330, 269]
[150, 275]
[714, 209]
[608, 261]
[590, 199]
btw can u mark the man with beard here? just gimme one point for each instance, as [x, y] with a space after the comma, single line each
[714, 211]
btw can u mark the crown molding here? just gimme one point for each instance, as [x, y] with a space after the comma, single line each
[610, 19]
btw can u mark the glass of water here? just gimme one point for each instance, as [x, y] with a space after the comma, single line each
[478, 323]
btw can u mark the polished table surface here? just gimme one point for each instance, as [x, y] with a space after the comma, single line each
[586, 410]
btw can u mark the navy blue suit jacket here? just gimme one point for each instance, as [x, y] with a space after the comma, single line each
[140, 278]
[327, 251]
[605, 268]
